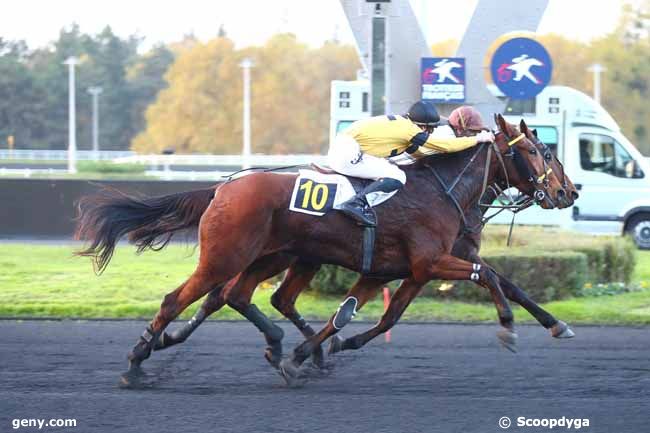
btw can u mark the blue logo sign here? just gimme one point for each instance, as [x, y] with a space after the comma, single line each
[521, 68]
[443, 79]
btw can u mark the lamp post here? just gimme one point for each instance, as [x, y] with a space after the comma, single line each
[95, 91]
[246, 66]
[597, 69]
[72, 132]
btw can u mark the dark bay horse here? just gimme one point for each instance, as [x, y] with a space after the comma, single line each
[248, 221]
[300, 273]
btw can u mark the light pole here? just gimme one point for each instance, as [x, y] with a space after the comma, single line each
[72, 133]
[246, 66]
[597, 69]
[95, 91]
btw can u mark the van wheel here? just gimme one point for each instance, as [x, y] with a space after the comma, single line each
[639, 228]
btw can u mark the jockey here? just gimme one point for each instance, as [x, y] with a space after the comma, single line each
[466, 121]
[362, 149]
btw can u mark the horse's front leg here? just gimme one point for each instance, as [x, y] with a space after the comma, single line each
[467, 247]
[448, 267]
[558, 328]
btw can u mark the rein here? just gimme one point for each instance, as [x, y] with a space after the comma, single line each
[515, 206]
[449, 189]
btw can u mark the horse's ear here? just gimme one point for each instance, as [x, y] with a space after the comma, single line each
[501, 123]
[523, 127]
[535, 133]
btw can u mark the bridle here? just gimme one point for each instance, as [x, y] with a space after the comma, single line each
[521, 166]
[548, 156]
[524, 170]
[524, 201]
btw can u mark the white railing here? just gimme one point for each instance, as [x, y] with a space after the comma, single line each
[61, 155]
[159, 165]
[256, 160]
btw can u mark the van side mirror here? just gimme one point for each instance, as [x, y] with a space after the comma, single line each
[633, 171]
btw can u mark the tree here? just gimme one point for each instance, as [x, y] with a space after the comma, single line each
[200, 110]
[20, 97]
[146, 78]
[35, 86]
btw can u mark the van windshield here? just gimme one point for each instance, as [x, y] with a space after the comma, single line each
[603, 153]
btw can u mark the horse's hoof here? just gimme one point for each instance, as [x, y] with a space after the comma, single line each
[132, 379]
[508, 339]
[336, 345]
[290, 372]
[273, 358]
[562, 330]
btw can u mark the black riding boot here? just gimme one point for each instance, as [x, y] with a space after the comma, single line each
[357, 207]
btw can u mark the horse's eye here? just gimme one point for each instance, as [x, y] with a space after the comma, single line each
[533, 151]
[548, 157]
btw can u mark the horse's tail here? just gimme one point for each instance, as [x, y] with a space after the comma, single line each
[150, 222]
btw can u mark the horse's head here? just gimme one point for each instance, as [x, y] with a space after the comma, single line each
[568, 194]
[525, 165]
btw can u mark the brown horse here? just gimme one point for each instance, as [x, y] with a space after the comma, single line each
[300, 273]
[248, 221]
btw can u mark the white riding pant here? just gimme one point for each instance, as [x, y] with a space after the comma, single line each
[343, 157]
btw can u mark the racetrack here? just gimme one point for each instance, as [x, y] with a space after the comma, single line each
[430, 378]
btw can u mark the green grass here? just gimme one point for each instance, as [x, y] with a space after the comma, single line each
[47, 281]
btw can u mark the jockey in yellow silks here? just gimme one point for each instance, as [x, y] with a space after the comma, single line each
[362, 151]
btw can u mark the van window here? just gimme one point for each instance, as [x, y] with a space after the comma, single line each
[343, 124]
[547, 135]
[604, 154]
[520, 106]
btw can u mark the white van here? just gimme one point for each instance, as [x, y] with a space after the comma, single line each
[613, 178]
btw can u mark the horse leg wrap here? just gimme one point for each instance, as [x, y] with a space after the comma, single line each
[347, 310]
[143, 347]
[303, 326]
[474, 276]
[272, 332]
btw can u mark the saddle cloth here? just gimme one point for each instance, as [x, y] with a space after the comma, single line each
[316, 193]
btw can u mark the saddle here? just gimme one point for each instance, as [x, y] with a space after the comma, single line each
[368, 231]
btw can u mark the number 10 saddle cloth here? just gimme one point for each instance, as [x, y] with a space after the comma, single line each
[317, 193]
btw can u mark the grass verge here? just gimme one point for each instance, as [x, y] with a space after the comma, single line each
[47, 281]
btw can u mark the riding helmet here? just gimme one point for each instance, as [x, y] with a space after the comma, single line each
[467, 120]
[424, 113]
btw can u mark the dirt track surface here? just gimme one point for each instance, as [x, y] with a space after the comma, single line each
[430, 378]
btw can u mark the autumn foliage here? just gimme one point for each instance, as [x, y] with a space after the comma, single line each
[201, 110]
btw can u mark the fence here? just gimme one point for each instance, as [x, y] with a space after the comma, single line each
[45, 208]
[61, 155]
